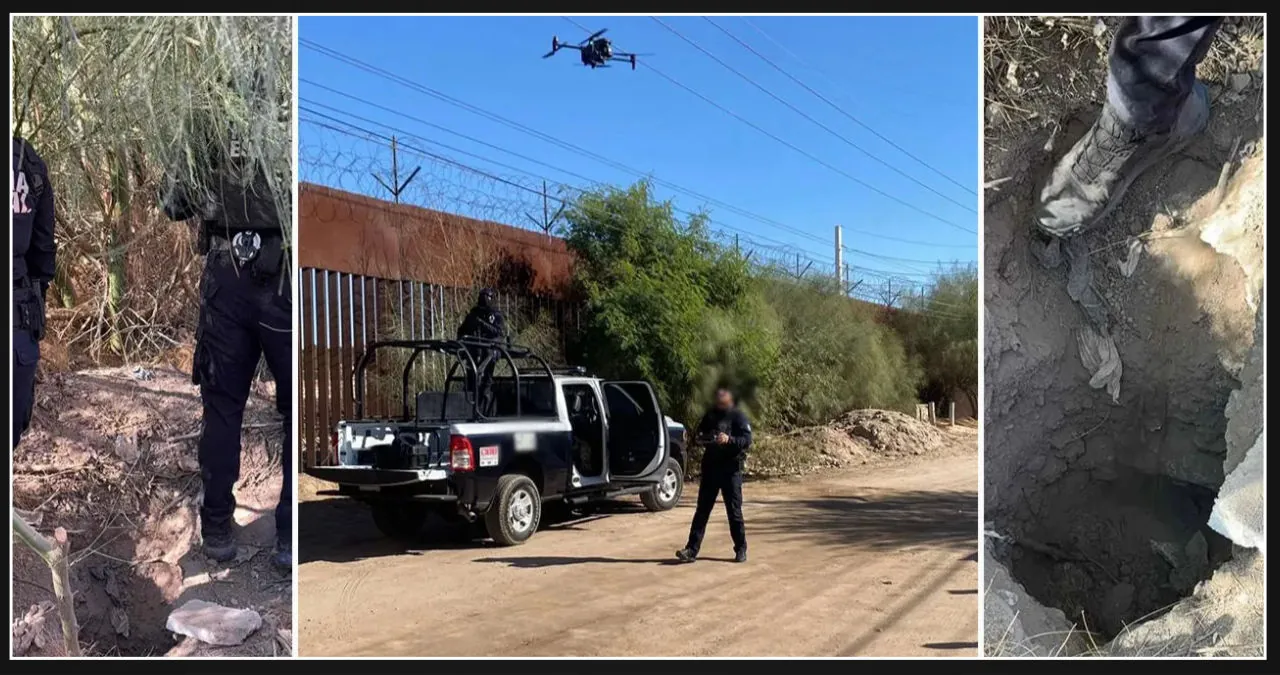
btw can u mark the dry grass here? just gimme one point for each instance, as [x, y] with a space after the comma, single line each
[111, 104]
[1037, 68]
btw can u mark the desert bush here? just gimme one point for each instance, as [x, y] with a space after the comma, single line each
[940, 331]
[665, 303]
[838, 357]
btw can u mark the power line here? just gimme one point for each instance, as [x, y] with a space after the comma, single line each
[829, 102]
[554, 167]
[527, 158]
[786, 248]
[362, 65]
[791, 248]
[369, 135]
[859, 181]
[796, 148]
[807, 116]
[333, 53]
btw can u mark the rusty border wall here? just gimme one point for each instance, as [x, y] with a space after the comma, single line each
[374, 270]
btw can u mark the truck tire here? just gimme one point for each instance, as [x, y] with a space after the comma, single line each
[516, 509]
[401, 521]
[666, 494]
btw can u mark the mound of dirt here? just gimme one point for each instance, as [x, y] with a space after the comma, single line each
[891, 434]
[855, 438]
[111, 457]
[1102, 499]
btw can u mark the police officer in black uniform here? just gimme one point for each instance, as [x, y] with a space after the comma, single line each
[246, 314]
[484, 322]
[34, 252]
[725, 434]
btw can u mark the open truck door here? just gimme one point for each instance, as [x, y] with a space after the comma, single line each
[638, 446]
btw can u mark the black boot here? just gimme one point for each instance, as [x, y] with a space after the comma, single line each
[1094, 175]
[740, 555]
[687, 555]
[219, 545]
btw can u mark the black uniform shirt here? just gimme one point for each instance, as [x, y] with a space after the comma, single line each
[235, 194]
[32, 204]
[731, 422]
[483, 322]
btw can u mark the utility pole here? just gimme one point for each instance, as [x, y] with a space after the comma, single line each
[395, 174]
[548, 221]
[839, 252]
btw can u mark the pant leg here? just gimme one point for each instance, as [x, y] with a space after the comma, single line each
[731, 487]
[275, 334]
[484, 379]
[708, 488]
[26, 358]
[227, 354]
[1152, 66]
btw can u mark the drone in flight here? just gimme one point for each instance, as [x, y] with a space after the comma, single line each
[595, 51]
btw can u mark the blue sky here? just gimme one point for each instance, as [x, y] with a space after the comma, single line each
[911, 79]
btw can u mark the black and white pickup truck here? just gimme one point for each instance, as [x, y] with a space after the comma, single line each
[550, 435]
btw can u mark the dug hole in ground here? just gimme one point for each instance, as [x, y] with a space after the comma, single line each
[1124, 521]
[863, 538]
[111, 457]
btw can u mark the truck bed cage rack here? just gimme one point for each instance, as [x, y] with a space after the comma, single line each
[464, 352]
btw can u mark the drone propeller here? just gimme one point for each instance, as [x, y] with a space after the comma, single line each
[555, 46]
[597, 34]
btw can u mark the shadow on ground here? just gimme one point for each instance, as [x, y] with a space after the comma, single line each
[875, 520]
[342, 530]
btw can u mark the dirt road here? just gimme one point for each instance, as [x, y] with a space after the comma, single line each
[868, 562]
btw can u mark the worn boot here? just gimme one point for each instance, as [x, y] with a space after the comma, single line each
[686, 555]
[1094, 175]
[219, 545]
[740, 555]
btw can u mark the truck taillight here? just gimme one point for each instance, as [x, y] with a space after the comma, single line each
[462, 456]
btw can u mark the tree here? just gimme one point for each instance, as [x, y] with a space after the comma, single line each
[940, 330]
[664, 302]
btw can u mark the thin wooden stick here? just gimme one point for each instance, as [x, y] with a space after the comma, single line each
[54, 554]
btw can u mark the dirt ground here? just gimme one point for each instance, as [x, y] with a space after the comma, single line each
[871, 561]
[111, 457]
[1102, 502]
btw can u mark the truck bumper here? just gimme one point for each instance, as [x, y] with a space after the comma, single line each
[370, 477]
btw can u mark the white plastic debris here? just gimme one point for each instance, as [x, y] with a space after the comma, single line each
[1100, 357]
[1130, 262]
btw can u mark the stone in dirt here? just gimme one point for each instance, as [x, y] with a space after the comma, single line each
[35, 629]
[1240, 510]
[213, 624]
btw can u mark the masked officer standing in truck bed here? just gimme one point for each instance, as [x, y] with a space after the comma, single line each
[725, 434]
[484, 322]
[34, 252]
[246, 313]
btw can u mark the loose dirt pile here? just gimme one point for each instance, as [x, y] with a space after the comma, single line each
[111, 457]
[1100, 507]
[856, 438]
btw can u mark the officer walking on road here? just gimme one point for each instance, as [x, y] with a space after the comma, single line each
[484, 322]
[34, 253]
[1154, 108]
[246, 314]
[725, 434]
